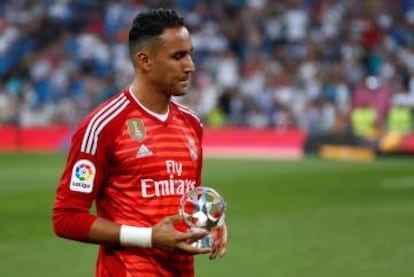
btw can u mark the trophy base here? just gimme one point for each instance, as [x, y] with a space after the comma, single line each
[205, 242]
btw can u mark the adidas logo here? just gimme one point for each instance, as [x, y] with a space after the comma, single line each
[143, 151]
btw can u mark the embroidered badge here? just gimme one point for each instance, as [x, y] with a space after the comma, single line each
[193, 149]
[136, 129]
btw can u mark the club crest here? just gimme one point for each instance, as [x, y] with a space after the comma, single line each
[193, 149]
[136, 129]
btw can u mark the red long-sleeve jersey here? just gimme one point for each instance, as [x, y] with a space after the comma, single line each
[136, 168]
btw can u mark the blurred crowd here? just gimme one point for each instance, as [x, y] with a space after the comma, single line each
[260, 63]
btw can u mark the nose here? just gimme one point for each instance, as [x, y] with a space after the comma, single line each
[189, 65]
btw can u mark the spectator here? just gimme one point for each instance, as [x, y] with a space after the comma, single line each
[296, 63]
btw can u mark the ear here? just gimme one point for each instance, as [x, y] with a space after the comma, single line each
[143, 61]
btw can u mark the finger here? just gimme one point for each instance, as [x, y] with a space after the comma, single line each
[191, 240]
[215, 249]
[193, 236]
[220, 231]
[219, 251]
[220, 242]
[225, 233]
[213, 254]
[223, 250]
[192, 250]
[223, 246]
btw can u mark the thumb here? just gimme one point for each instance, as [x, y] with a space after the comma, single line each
[195, 235]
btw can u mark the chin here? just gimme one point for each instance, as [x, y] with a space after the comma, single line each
[179, 93]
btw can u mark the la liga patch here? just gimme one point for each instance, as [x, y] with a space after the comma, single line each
[83, 175]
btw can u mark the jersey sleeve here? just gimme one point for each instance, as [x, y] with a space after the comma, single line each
[79, 185]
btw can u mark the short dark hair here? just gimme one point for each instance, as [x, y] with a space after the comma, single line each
[150, 24]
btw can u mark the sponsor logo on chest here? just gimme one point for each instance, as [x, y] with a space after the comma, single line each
[174, 185]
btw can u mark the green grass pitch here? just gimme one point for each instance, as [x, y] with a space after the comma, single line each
[307, 218]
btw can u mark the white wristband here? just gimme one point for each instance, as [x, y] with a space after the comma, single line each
[135, 236]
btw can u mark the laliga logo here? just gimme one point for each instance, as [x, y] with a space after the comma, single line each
[83, 172]
[83, 175]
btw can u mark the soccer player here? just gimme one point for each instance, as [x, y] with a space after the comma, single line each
[135, 156]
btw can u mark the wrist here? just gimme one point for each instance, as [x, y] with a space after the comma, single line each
[135, 236]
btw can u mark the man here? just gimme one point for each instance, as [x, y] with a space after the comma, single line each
[135, 156]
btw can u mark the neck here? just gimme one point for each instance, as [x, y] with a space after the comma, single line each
[152, 99]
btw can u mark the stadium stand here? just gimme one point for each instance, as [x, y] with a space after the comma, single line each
[275, 64]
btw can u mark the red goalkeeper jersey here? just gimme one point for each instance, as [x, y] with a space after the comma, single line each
[136, 168]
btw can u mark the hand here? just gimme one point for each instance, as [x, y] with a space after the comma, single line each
[164, 235]
[219, 235]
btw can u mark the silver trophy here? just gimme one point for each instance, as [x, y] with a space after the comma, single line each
[202, 208]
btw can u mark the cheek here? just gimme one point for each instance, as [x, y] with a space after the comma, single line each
[166, 75]
[161, 74]
[165, 79]
[163, 71]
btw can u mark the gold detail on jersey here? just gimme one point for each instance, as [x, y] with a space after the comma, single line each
[136, 129]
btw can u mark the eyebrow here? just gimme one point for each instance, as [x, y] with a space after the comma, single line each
[182, 52]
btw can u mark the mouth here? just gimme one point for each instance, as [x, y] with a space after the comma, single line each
[184, 81]
[184, 78]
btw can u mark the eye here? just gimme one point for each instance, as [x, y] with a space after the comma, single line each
[179, 55]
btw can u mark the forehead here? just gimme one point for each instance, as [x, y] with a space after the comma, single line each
[176, 38]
